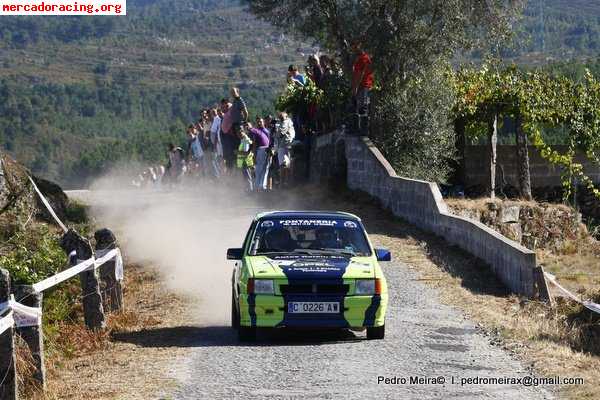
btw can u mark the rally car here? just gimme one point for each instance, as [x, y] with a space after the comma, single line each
[310, 270]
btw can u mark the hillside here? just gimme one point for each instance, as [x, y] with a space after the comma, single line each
[552, 30]
[78, 94]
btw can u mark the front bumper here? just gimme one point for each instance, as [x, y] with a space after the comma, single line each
[271, 311]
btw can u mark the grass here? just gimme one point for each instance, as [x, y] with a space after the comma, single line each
[573, 255]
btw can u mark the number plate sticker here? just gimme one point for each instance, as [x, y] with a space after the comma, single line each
[313, 307]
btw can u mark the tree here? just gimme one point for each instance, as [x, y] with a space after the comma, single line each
[536, 100]
[407, 40]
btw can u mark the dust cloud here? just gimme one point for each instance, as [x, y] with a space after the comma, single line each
[184, 232]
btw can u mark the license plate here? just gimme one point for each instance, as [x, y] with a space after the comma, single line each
[313, 307]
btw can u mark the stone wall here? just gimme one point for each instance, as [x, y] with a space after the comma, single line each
[534, 225]
[543, 174]
[421, 203]
[328, 158]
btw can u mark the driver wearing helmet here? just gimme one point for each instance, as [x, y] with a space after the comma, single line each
[326, 238]
[279, 239]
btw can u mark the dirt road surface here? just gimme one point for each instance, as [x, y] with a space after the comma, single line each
[429, 347]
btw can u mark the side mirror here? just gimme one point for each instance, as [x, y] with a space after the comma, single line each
[383, 255]
[234, 254]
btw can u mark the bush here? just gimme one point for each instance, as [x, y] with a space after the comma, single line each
[297, 99]
[412, 128]
[34, 255]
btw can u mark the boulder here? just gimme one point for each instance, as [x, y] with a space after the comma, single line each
[16, 191]
[509, 214]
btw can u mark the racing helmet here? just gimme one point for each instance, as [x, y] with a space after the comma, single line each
[327, 237]
[278, 239]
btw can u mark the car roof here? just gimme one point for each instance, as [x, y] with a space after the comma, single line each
[306, 214]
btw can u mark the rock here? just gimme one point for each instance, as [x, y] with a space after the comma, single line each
[475, 215]
[509, 214]
[56, 197]
[512, 231]
[16, 191]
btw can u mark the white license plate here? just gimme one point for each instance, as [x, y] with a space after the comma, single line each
[313, 307]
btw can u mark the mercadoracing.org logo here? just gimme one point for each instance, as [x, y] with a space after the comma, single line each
[63, 7]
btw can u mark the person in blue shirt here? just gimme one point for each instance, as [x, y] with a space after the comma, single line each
[295, 77]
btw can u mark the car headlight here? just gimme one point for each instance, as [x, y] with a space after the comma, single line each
[365, 286]
[263, 286]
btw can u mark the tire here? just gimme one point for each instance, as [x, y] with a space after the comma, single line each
[235, 315]
[247, 333]
[376, 332]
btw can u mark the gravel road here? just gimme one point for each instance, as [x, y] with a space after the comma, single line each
[423, 339]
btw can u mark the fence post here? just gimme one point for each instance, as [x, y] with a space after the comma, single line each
[33, 335]
[8, 359]
[111, 288]
[92, 301]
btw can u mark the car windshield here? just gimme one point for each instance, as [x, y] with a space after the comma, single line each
[309, 236]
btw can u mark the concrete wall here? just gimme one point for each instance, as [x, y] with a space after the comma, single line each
[421, 203]
[543, 174]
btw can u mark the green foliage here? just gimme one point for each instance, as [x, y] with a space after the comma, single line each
[76, 212]
[419, 139]
[296, 99]
[559, 28]
[407, 41]
[34, 255]
[540, 100]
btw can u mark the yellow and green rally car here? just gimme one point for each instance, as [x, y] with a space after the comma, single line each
[308, 269]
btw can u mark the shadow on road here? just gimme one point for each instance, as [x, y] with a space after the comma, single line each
[223, 336]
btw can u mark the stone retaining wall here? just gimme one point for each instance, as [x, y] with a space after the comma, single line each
[421, 203]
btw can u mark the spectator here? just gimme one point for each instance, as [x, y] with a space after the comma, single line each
[315, 71]
[238, 114]
[195, 153]
[245, 158]
[283, 142]
[295, 77]
[273, 172]
[260, 137]
[176, 165]
[229, 142]
[215, 139]
[362, 83]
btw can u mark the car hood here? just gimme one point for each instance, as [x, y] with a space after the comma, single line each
[312, 267]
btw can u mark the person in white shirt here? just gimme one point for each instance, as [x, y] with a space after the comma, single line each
[284, 136]
[215, 138]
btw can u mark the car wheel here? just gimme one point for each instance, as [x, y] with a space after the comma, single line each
[247, 333]
[376, 332]
[235, 315]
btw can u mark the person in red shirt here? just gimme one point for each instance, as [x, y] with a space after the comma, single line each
[362, 83]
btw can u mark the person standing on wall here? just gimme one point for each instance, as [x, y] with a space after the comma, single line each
[238, 116]
[215, 139]
[362, 83]
[227, 137]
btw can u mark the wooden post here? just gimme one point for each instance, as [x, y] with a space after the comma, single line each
[8, 359]
[523, 160]
[493, 141]
[33, 335]
[92, 301]
[111, 287]
[540, 285]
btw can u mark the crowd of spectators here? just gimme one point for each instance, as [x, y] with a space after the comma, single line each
[225, 144]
